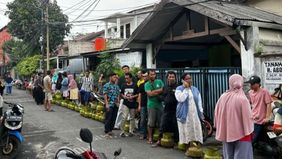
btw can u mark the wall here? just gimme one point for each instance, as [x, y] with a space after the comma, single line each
[78, 47]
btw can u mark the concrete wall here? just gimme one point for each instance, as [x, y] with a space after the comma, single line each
[78, 47]
[264, 46]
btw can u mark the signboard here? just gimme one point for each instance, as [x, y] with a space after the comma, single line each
[273, 72]
[130, 59]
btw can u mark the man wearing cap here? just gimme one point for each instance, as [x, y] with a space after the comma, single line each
[260, 100]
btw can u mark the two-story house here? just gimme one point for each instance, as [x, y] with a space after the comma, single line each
[118, 28]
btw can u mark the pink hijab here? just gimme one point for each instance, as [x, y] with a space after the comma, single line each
[233, 117]
[72, 82]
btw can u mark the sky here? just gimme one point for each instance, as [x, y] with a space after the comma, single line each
[73, 8]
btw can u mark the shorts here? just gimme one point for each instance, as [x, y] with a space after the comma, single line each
[154, 117]
[48, 96]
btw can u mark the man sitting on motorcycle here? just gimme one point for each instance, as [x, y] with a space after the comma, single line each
[277, 126]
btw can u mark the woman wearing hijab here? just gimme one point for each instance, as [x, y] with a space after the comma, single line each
[65, 86]
[189, 113]
[73, 89]
[233, 121]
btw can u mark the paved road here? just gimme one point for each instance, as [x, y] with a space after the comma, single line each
[45, 132]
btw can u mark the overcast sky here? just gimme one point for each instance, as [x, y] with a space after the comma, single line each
[103, 8]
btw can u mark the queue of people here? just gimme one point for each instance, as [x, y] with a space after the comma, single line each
[170, 107]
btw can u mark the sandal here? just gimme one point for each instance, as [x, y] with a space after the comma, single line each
[150, 142]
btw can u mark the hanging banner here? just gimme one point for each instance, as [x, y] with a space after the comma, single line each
[273, 72]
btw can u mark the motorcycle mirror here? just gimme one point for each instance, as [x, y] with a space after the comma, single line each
[86, 135]
[118, 152]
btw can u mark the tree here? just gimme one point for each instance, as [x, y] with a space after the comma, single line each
[27, 23]
[28, 65]
[14, 50]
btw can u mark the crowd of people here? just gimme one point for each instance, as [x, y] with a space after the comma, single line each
[169, 107]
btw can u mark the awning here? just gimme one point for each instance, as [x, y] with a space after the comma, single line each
[95, 53]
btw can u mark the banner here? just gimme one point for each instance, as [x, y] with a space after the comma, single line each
[273, 72]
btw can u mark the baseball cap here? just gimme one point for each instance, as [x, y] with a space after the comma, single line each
[253, 80]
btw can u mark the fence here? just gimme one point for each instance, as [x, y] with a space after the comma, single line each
[211, 82]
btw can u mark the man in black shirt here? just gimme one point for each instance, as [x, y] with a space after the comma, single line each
[169, 122]
[142, 105]
[129, 93]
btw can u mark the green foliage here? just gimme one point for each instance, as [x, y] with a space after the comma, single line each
[107, 65]
[28, 65]
[27, 24]
[14, 48]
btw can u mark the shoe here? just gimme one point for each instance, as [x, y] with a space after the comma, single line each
[111, 133]
[116, 128]
[130, 134]
[122, 134]
[156, 144]
[107, 136]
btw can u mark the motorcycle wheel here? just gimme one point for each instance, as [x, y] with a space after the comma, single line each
[11, 150]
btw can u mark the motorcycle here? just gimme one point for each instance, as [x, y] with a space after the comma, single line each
[86, 136]
[269, 144]
[10, 131]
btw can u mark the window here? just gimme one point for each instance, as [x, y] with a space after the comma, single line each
[127, 27]
[121, 31]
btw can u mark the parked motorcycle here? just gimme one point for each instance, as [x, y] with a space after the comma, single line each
[10, 131]
[86, 136]
[269, 144]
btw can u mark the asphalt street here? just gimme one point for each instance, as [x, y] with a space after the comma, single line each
[45, 132]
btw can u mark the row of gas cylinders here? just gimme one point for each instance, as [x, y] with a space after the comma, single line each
[94, 110]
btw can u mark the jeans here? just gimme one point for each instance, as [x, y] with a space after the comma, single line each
[257, 130]
[9, 89]
[144, 120]
[110, 119]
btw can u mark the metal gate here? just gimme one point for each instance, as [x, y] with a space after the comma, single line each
[211, 82]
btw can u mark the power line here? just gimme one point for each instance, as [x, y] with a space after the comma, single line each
[140, 13]
[92, 8]
[74, 5]
[79, 7]
[85, 10]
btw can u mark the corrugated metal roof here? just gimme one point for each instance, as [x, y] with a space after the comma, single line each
[235, 11]
[228, 13]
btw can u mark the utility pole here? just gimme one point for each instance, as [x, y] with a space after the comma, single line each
[47, 36]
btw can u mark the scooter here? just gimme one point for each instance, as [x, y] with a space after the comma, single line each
[86, 136]
[10, 131]
[269, 144]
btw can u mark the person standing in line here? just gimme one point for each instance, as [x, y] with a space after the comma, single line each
[168, 121]
[261, 101]
[86, 88]
[65, 86]
[38, 89]
[8, 81]
[48, 91]
[233, 121]
[142, 106]
[73, 89]
[129, 93]
[2, 88]
[111, 93]
[121, 81]
[59, 82]
[189, 113]
[153, 88]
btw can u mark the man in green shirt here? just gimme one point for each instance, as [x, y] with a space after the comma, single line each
[153, 88]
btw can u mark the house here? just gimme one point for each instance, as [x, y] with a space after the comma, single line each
[211, 40]
[118, 28]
